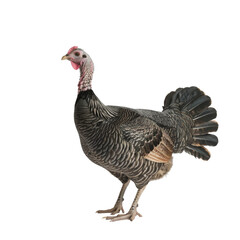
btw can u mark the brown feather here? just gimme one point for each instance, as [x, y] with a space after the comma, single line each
[161, 153]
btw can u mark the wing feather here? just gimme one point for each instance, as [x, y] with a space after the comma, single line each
[148, 138]
[162, 152]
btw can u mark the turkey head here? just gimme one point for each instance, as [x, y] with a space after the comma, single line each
[76, 56]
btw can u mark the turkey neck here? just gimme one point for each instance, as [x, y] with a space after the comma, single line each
[86, 73]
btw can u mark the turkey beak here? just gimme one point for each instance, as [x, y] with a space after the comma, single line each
[65, 57]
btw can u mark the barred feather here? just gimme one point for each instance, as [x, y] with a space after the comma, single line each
[205, 128]
[207, 139]
[198, 152]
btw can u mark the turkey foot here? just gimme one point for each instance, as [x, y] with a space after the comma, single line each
[118, 205]
[128, 216]
[132, 213]
[116, 209]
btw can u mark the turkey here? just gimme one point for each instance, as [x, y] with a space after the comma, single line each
[135, 144]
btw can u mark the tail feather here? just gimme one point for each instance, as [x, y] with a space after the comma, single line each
[207, 115]
[204, 128]
[198, 152]
[198, 105]
[194, 102]
[182, 96]
[207, 139]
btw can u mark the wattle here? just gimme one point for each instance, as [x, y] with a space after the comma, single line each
[75, 65]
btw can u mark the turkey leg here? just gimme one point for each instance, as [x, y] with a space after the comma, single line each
[118, 205]
[132, 211]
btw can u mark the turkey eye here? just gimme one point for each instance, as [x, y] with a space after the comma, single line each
[76, 54]
[84, 56]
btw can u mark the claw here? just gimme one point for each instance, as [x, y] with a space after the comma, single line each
[116, 209]
[128, 216]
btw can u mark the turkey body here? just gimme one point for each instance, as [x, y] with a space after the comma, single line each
[122, 139]
[137, 144]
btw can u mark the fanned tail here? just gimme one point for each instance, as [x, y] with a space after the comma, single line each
[193, 101]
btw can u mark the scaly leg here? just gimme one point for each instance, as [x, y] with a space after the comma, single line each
[118, 205]
[132, 211]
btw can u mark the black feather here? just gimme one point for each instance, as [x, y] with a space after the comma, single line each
[207, 139]
[205, 128]
[168, 100]
[198, 152]
[205, 116]
[175, 97]
[189, 95]
[198, 105]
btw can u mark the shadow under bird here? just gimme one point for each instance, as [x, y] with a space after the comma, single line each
[135, 144]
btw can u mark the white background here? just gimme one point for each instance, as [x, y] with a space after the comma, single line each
[142, 50]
